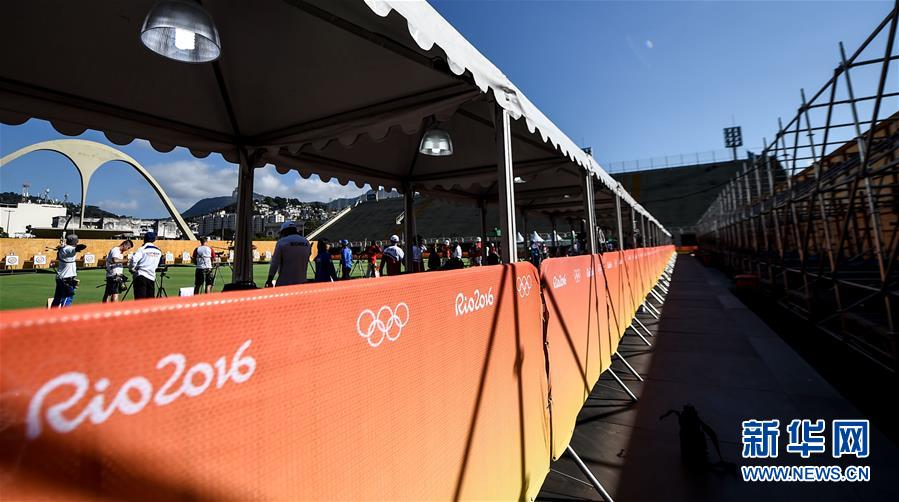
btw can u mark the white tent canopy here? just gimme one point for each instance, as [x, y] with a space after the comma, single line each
[339, 89]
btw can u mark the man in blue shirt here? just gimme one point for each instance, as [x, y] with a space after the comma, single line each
[346, 259]
[324, 267]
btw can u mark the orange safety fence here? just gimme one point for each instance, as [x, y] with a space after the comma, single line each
[577, 338]
[424, 386]
[418, 387]
[590, 301]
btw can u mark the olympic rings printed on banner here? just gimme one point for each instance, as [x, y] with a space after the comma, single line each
[523, 285]
[386, 323]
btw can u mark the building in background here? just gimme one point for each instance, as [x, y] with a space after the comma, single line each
[17, 218]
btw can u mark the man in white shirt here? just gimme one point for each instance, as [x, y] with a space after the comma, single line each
[204, 275]
[144, 263]
[66, 274]
[417, 249]
[457, 251]
[115, 279]
[290, 259]
[392, 257]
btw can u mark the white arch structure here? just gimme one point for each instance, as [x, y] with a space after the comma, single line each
[88, 156]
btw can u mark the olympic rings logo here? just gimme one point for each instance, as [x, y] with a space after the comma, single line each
[386, 323]
[523, 285]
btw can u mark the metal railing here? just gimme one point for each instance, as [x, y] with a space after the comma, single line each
[679, 160]
[814, 216]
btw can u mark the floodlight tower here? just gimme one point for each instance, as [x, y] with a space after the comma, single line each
[733, 138]
[25, 187]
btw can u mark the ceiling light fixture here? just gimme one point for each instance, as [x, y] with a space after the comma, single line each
[181, 30]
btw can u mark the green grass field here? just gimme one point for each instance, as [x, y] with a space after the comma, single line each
[26, 290]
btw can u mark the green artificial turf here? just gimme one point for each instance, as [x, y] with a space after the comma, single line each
[24, 290]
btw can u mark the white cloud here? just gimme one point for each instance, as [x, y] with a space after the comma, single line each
[187, 181]
[142, 143]
[270, 182]
[118, 205]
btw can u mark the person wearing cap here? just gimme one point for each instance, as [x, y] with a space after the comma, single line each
[475, 253]
[417, 250]
[144, 263]
[324, 266]
[445, 252]
[372, 253]
[115, 279]
[392, 257]
[346, 259]
[204, 275]
[66, 273]
[290, 259]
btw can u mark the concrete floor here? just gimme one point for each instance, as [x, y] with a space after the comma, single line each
[711, 351]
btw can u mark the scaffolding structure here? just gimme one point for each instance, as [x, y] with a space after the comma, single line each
[814, 214]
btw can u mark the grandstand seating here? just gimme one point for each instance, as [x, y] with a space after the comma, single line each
[377, 220]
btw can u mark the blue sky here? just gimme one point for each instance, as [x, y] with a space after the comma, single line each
[631, 79]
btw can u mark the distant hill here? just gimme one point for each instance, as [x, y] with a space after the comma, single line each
[212, 204]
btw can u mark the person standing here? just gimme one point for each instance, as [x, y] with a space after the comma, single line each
[392, 258]
[204, 275]
[534, 253]
[417, 251]
[324, 265]
[115, 279]
[144, 263]
[434, 257]
[446, 250]
[346, 259]
[290, 259]
[475, 253]
[457, 251]
[372, 256]
[493, 257]
[66, 273]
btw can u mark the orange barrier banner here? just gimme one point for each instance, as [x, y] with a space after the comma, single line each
[612, 265]
[577, 336]
[590, 302]
[419, 387]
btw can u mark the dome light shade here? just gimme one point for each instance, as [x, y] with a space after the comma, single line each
[436, 142]
[181, 30]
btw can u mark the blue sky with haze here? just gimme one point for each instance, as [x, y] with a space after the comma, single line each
[630, 79]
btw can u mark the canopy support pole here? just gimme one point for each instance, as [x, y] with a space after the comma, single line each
[505, 181]
[552, 222]
[643, 241]
[243, 235]
[527, 236]
[618, 218]
[590, 212]
[482, 206]
[409, 221]
[633, 213]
